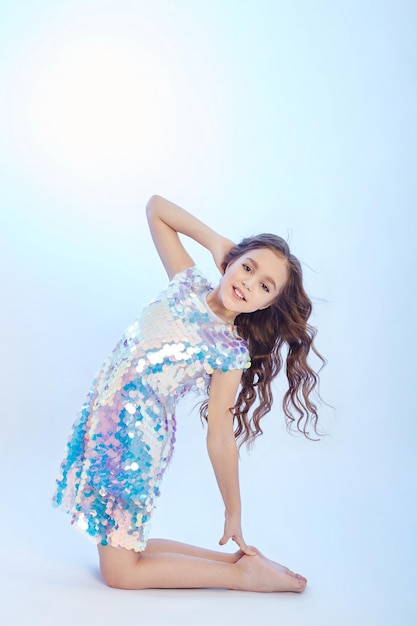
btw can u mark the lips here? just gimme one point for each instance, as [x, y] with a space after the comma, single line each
[238, 293]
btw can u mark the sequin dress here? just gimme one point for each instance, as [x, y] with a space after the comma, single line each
[123, 438]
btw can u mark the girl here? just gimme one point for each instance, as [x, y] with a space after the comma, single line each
[227, 340]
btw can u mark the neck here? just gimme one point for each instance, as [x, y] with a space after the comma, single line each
[218, 309]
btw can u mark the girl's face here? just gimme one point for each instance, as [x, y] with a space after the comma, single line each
[250, 283]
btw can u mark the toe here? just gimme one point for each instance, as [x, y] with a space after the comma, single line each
[302, 583]
[302, 578]
[300, 587]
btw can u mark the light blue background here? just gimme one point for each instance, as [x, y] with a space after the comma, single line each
[292, 117]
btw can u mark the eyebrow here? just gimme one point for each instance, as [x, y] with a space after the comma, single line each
[256, 266]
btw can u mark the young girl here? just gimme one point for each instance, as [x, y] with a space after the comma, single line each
[226, 340]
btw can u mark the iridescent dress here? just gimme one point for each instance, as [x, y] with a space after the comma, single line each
[123, 439]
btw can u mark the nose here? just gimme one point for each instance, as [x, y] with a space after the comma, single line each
[246, 284]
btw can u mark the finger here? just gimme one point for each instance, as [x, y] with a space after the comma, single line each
[240, 542]
[242, 545]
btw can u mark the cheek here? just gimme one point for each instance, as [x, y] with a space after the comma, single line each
[270, 300]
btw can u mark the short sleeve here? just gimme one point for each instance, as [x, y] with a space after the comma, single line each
[230, 352]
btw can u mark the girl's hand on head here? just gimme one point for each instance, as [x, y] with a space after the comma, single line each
[220, 250]
[232, 530]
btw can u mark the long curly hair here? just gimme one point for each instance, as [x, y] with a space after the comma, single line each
[281, 328]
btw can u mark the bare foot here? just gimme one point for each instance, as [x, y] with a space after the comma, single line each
[274, 564]
[259, 575]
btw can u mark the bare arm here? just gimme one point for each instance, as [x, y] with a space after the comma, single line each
[166, 220]
[221, 446]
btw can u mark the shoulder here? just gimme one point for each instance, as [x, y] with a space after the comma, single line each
[191, 277]
[229, 352]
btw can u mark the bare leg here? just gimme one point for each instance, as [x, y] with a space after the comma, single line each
[127, 569]
[276, 565]
[155, 546]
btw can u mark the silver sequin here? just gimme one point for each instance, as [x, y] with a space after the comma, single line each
[124, 436]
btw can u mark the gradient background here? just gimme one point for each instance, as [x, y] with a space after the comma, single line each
[296, 117]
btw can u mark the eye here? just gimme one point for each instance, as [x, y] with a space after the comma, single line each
[265, 287]
[246, 267]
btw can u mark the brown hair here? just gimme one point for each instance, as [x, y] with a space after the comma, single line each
[283, 325]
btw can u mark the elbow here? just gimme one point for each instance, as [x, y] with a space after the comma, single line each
[211, 442]
[218, 442]
[151, 205]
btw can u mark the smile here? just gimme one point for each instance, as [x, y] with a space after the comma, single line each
[238, 293]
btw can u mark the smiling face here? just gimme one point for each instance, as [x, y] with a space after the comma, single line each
[251, 282]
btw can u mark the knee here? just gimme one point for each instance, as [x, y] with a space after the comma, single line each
[116, 567]
[112, 576]
[120, 568]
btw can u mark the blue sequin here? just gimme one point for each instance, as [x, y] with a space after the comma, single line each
[124, 436]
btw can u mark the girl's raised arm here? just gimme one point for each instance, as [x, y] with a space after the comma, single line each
[166, 220]
[221, 446]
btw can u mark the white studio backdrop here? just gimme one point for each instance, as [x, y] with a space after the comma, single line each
[297, 118]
